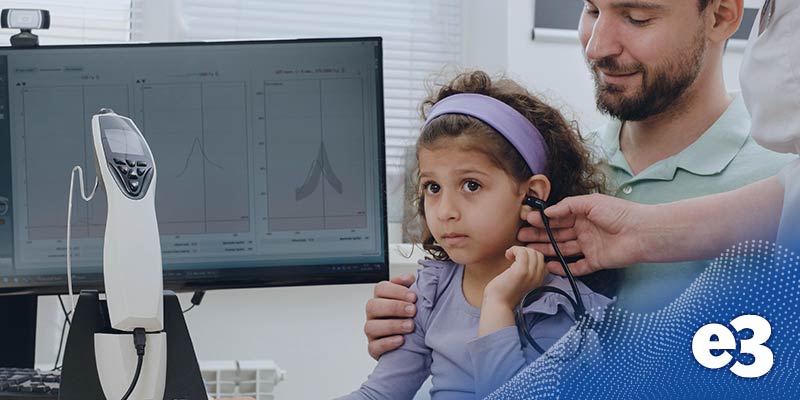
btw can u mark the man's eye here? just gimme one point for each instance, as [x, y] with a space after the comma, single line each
[638, 22]
[471, 186]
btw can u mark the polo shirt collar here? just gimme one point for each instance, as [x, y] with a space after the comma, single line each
[710, 154]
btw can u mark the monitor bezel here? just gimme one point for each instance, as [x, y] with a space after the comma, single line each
[246, 277]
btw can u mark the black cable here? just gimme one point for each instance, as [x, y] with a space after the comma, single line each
[580, 310]
[188, 309]
[531, 296]
[60, 344]
[139, 341]
[135, 378]
[63, 329]
[64, 308]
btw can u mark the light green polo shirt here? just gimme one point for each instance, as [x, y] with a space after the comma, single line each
[724, 158]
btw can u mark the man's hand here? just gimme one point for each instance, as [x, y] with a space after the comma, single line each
[535, 236]
[604, 229]
[389, 315]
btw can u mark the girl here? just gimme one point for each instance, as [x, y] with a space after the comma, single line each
[485, 147]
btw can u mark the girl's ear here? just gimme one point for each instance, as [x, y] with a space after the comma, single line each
[539, 187]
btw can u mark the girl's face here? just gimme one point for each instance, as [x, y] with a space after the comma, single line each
[472, 207]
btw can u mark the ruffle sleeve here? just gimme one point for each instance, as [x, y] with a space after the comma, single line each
[550, 303]
[432, 280]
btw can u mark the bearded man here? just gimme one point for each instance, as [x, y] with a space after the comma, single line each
[675, 133]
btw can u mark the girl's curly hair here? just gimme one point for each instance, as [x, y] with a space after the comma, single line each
[570, 168]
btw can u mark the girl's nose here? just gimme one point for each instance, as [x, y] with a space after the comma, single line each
[447, 208]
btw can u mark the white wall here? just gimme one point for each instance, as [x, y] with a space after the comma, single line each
[315, 333]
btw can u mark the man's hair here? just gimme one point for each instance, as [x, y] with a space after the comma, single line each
[703, 4]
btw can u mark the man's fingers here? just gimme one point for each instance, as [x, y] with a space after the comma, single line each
[403, 279]
[378, 347]
[561, 220]
[539, 235]
[581, 267]
[386, 308]
[571, 206]
[578, 268]
[544, 248]
[555, 268]
[380, 328]
[568, 249]
[394, 291]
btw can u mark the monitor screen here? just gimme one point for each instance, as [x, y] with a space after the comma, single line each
[269, 158]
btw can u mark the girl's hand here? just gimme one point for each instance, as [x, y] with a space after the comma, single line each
[505, 291]
[526, 273]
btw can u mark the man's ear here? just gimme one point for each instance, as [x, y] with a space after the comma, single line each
[726, 16]
[538, 186]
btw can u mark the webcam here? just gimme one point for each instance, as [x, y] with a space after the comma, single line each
[25, 20]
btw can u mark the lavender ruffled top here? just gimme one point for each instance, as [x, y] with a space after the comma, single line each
[445, 345]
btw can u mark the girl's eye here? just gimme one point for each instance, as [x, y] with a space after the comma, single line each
[471, 186]
[431, 187]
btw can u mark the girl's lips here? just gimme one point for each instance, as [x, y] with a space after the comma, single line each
[454, 239]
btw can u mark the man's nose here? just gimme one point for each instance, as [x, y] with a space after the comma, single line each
[604, 40]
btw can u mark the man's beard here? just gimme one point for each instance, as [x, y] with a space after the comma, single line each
[662, 86]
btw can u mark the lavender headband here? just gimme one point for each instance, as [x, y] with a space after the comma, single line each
[518, 130]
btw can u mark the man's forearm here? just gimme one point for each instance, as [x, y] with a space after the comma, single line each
[703, 227]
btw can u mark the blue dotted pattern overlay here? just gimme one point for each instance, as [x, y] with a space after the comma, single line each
[626, 355]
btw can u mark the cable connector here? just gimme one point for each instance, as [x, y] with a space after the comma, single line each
[139, 340]
[196, 299]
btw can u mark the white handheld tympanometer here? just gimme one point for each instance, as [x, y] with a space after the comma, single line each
[137, 336]
[132, 269]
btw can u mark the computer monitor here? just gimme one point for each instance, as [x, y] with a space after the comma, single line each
[269, 154]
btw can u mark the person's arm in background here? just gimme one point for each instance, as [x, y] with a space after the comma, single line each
[390, 315]
[615, 233]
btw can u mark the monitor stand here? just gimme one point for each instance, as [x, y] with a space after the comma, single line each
[18, 337]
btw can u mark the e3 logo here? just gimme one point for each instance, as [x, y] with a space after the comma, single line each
[702, 345]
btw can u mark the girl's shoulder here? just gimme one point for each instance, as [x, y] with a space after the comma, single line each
[432, 280]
